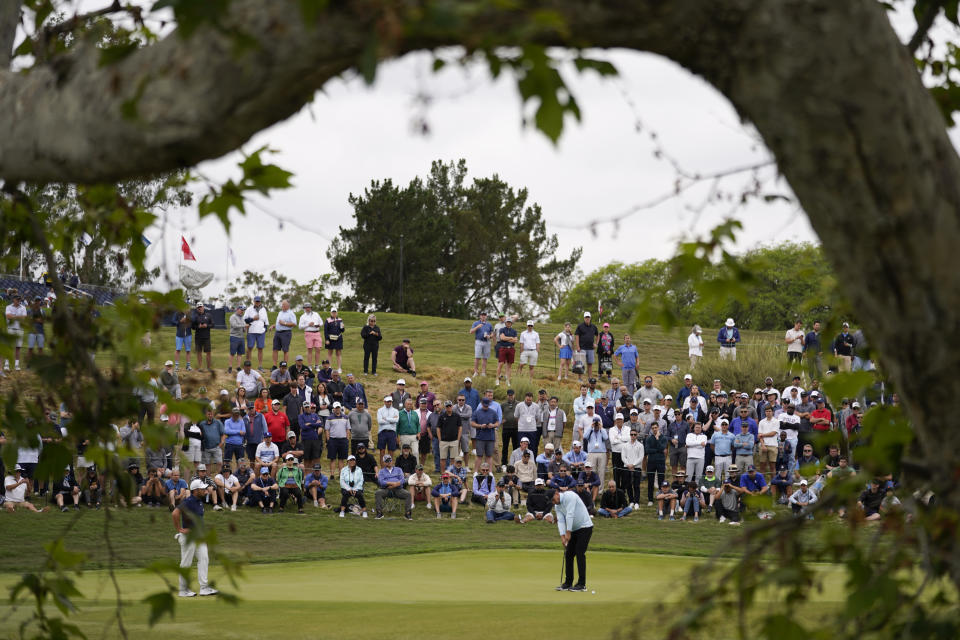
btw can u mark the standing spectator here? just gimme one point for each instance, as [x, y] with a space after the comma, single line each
[311, 434]
[408, 425]
[677, 432]
[351, 487]
[236, 430]
[728, 337]
[794, 341]
[450, 429]
[353, 392]
[387, 419]
[813, 352]
[338, 437]
[821, 419]
[336, 387]
[655, 447]
[509, 430]
[553, 420]
[648, 392]
[843, 347]
[426, 394]
[583, 340]
[722, 443]
[695, 346]
[283, 331]
[170, 380]
[768, 430]
[619, 435]
[402, 358]
[16, 313]
[506, 341]
[36, 337]
[470, 394]
[391, 481]
[605, 352]
[333, 337]
[627, 357]
[202, 321]
[861, 352]
[481, 331]
[613, 502]
[184, 337]
[696, 453]
[213, 441]
[485, 421]
[312, 325]
[743, 444]
[529, 349]
[360, 425]
[256, 426]
[564, 342]
[238, 337]
[596, 441]
[257, 325]
[527, 415]
[277, 422]
[371, 336]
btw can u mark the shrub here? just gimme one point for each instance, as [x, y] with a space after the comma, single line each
[754, 363]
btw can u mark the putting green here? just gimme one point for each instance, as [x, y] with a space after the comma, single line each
[465, 594]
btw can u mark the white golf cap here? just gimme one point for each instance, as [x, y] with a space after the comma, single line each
[351, 458]
[467, 380]
[337, 405]
[688, 377]
[657, 407]
[196, 484]
[524, 439]
[388, 398]
[401, 381]
[538, 481]
[586, 314]
[529, 323]
[168, 363]
[855, 405]
[668, 397]
[201, 467]
[224, 392]
[289, 456]
[729, 322]
[619, 416]
[803, 483]
[710, 467]
[724, 421]
[549, 445]
[576, 443]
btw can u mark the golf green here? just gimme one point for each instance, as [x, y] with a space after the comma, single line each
[463, 594]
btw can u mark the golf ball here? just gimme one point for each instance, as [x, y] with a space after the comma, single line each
[593, 591]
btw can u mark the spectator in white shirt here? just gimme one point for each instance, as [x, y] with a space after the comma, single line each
[695, 397]
[257, 323]
[769, 431]
[580, 403]
[15, 313]
[619, 435]
[696, 452]
[312, 325]
[794, 339]
[632, 455]
[695, 346]
[250, 379]
[529, 348]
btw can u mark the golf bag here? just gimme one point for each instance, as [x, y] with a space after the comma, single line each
[579, 365]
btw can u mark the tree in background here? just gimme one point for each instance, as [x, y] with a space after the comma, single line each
[274, 287]
[782, 282]
[444, 248]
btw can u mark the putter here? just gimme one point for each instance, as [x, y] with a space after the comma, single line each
[563, 567]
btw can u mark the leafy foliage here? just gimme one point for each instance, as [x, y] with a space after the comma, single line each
[274, 287]
[441, 247]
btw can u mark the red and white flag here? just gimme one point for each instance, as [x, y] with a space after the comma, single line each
[187, 254]
[599, 308]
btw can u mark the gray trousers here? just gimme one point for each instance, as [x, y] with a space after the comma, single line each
[397, 492]
[721, 463]
[694, 469]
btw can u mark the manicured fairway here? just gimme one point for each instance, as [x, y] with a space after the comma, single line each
[465, 594]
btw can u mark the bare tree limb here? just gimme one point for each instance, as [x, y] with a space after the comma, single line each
[9, 20]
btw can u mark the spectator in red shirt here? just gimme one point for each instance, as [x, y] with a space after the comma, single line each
[820, 418]
[277, 422]
[853, 420]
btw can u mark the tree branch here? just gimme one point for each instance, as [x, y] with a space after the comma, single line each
[9, 21]
[923, 25]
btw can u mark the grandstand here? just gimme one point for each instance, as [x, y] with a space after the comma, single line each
[29, 289]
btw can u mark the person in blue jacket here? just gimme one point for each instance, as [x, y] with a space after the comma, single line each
[728, 337]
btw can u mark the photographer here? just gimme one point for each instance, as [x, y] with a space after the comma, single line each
[498, 505]
[728, 503]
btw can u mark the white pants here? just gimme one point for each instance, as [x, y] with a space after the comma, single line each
[694, 468]
[188, 550]
[728, 353]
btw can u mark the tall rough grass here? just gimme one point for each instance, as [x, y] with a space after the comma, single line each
[754, 363]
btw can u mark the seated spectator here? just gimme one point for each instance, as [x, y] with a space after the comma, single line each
[402, 358]
[445, 497]
[613, 502]
[391, 481]
[483, 484]
[575, 458]
[351, 487]
[590, 478]
[518, 452]
[264, 491]
[406, 461]
[290, 481]
[890, 502]
[228, 486]
[871, 500]
[666, 499]
[92, 488]
[245, 477]
[367, 464]
[458, 475]
[324, 372]
[511, 483]
[754, 483]
[17, 489]
[268, 454]
[562, 481]
[133, 470]
[586, 497]
[539, 503]
[291, 446]
[526, 470]
[728, 502]
[419, 483]
[176, 488]
[315, 485]
[782, 485]
[67, 489]
[170, 381]
[692, 502]
[498, 505]
[802, 498]
[152, 492]
[210, 487]
[280, 380]
[710, 486]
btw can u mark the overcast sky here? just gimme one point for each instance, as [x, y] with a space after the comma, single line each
[353, 133]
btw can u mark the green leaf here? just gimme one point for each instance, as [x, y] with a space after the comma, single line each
[603, 67]
[847, 385]
[115, 53]
[783, 627]
[311, 10]
[160, 603]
